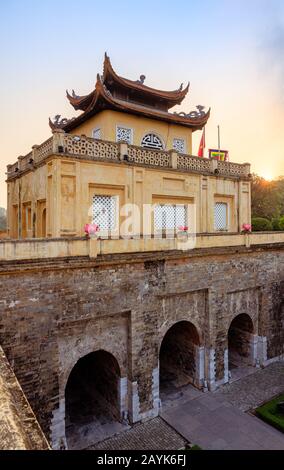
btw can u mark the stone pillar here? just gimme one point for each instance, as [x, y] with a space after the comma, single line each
[122, 395]
[134, 401]
[200, 366]
[156, 390]
[210, 369]
[253, 349]
[262, 350]
[57, 427]
[134, 404]
[226, 366]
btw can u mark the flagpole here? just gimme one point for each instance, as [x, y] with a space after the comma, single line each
[219, 141]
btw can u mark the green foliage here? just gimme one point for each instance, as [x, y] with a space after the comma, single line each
[275, 224]
[261, 224]
[3, 219]
[195, 447]
[281, 223]
[268, 413]
[267, 199]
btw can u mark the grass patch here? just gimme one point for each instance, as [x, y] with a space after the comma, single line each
[270, 415]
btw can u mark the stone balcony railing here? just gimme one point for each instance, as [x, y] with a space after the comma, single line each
[47, 248]
[82, 147]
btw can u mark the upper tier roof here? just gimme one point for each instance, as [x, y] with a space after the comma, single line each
[118, 93]
[122, 86]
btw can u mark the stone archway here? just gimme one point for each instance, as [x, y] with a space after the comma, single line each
[181, 359]
[93, 400]
[241, 342]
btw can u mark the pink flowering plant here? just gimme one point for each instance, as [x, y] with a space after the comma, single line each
[91, 229]
[183, 228]
[246, 228]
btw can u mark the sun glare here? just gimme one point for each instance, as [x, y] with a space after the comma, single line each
[267, 176]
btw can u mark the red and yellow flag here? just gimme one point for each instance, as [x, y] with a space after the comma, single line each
[202, 144]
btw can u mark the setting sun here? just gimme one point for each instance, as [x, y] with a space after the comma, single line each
[267, 176]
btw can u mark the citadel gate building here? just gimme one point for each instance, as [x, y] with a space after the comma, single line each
[100, 330]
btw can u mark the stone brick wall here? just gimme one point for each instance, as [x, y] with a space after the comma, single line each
[55, 312]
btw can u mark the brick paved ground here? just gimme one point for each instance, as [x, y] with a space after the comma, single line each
[152, 435]
[249, 392]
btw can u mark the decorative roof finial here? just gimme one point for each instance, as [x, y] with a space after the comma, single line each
[142, 79]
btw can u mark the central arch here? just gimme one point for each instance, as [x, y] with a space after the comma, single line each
[241, 342]
[92, 399]
[179, 358]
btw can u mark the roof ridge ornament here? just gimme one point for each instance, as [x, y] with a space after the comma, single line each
[141, 80]
[58, 122]
[193, 114]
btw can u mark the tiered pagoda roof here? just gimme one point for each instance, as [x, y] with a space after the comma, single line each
[120, 94]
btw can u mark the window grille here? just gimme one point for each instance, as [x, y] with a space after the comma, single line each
[97, 133]
[124, 134]
[179, 145]
[221, 216]
[104, 212]
[170, 216]
[152, 141]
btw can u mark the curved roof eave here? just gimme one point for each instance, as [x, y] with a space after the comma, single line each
[101, 93]
[175, 96]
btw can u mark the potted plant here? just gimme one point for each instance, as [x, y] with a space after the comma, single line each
[246, 228]
[182, 232]
[91, 230]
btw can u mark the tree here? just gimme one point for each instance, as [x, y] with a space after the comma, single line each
[267, 197]
[3, 219]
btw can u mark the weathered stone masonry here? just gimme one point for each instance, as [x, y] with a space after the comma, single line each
[55, 312]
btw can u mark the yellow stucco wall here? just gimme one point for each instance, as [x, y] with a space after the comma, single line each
[108, 120]
[30, 190]
[64, 188]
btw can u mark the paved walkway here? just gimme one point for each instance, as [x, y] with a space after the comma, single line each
[253, 390]
[217, 420]
[214, 424]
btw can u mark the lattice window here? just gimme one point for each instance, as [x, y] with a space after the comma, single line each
[104, 212]
[97, 133]
[152, 141]
[170, 216]
[179, 145]
[123, 134]
[221, 216]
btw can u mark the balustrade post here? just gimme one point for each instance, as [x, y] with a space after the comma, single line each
[213, 165]
[58, 141]
[123, 151]
[173, 159]
[20, 158]
[247, 168]
[34, 152]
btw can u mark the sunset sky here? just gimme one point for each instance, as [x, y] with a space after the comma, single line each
[232, 52]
